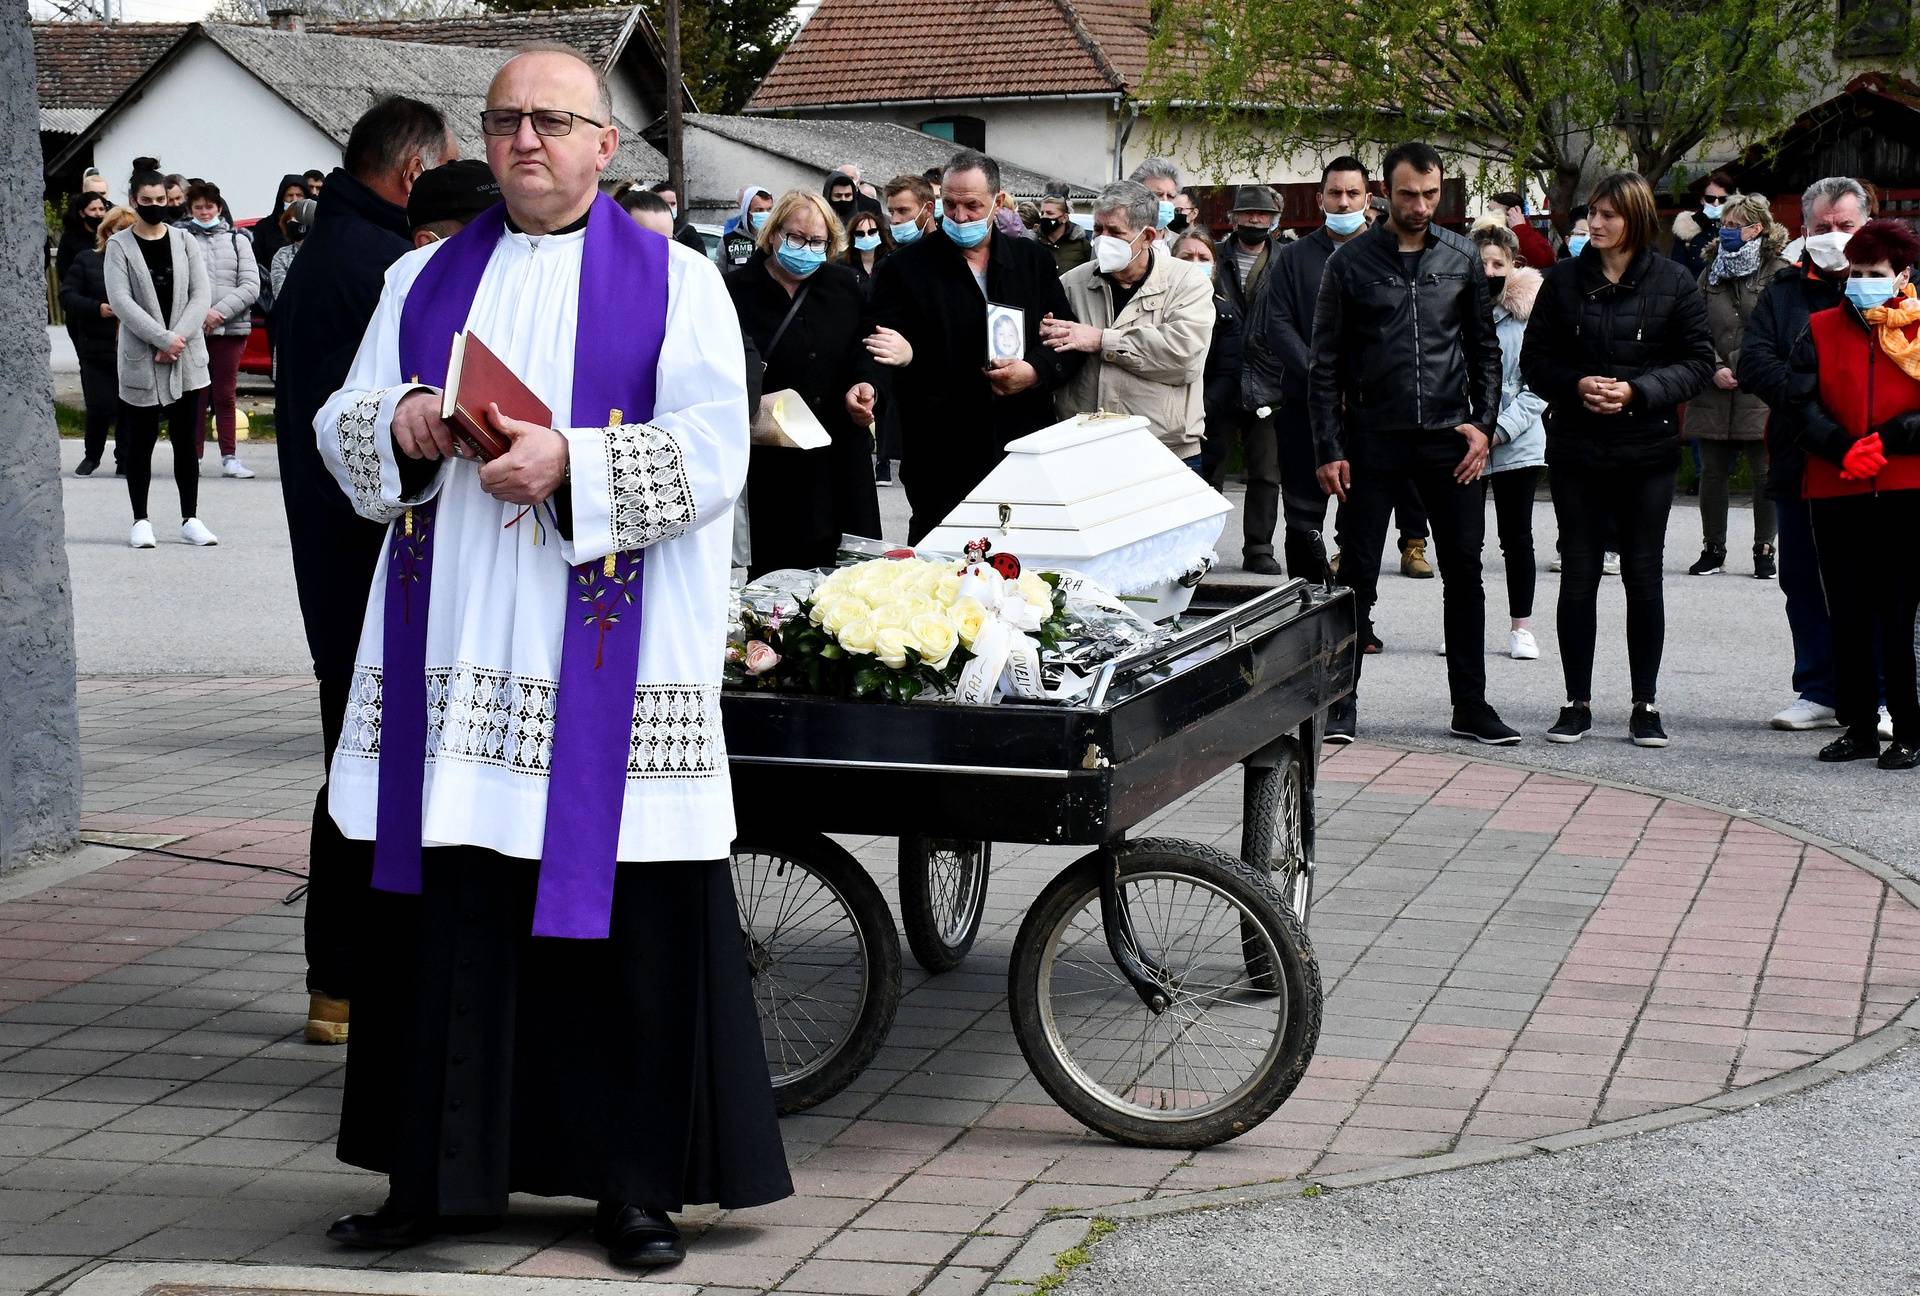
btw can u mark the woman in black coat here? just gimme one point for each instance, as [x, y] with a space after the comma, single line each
[77, 229]
[1617, 342]
[95, 333]
[808, 320]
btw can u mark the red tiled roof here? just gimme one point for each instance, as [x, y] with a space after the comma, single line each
[89, 64]
[876, 51]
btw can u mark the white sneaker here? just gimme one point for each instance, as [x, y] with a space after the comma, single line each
[142, 535]
[1441, 651]
[194, 532]
[232, 467]
[1554, 566]
[1886, 726]
[1803, 714]
[1610, 565]
[1521, 646]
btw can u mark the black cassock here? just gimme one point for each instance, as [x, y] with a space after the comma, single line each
[485, 1061]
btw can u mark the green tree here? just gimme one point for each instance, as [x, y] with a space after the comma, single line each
[1524, 88]
[726, 46]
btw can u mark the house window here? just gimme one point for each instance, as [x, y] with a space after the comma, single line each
[1872, 28]
[967, 132]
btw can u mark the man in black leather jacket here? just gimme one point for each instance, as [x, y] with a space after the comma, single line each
[319, 316]
[1403, 384]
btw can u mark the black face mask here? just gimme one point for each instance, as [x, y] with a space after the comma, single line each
[1178, 224]
[1496, 284]
[1050, 225]
[296, 231]
[1251, 235]
[90, 222]
[176, 213]
[153, 213]
[842, 207]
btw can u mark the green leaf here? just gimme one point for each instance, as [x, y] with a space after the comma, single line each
[832, 651]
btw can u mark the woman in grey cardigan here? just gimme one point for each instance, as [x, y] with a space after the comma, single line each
[157, 285]
[234, 274]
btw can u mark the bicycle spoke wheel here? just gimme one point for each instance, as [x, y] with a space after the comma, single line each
[943, 893]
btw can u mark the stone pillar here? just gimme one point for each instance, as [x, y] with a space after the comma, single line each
[39, 723]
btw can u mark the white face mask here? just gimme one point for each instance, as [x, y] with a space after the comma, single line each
[1828, 251]
[1112, 253]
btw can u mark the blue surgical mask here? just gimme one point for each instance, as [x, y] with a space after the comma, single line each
[1576, 244]
[800, 262]
[1730, 240]
[1868, 293]
[968, 234]
[905, 234]
[207, 224]
[1165, 215]
[1345, 224]
[866, 242]
[1711, 210]
[756, 221]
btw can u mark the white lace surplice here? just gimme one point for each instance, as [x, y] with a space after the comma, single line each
[499, 598]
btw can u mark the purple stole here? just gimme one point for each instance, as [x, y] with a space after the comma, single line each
[616, 355]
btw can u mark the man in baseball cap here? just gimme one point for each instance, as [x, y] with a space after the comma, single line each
[447, 197]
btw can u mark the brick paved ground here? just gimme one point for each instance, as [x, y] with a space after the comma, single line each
[1507, 955]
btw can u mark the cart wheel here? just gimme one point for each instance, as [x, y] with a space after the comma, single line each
[943, 892]
[824, 960]
[1274, 829]
[1223, 1054]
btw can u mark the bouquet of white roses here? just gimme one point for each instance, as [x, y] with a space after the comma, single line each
[894, 629]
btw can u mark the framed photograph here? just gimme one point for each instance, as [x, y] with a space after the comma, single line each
[1006, 333]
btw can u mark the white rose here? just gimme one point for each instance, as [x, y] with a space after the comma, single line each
[935, 638]
[1036, 591]
[857, 636]
[967, 617]
[839, 613]
[946, 589]
[890, 646]
[894, 615]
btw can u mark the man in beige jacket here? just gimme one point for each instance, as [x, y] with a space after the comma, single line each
[1146, 324]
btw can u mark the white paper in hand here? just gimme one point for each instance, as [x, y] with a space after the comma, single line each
[784, 420]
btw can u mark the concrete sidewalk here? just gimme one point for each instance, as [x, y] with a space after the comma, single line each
[1510, 957]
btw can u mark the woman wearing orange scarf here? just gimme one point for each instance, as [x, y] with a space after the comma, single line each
[1857, 396]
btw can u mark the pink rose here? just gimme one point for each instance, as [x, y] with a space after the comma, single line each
[760, 658]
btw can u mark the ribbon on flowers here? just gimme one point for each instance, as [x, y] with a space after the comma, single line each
[1006, 657]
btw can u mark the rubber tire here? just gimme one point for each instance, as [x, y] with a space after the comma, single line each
[1070, 891]
[834, 866]
[930, 949]
[1268, 787]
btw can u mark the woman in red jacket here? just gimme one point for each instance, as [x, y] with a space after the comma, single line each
[1857, 395]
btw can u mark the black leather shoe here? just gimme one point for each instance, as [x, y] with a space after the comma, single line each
[86, 468]
[384, 1230]
[1900, 756]
[637, 1237]
[1851, 746]
[1261, 564]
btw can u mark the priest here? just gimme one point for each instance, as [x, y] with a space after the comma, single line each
[560, 1001]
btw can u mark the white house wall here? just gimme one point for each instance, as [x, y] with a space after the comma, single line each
[718, 168]
[207, 116]
[1068, 139]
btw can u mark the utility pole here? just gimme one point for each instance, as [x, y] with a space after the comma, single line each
[676, 127]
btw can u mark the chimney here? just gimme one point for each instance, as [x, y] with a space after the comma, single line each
[287, 15]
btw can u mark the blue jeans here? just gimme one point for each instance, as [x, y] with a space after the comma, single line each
[1807, 618]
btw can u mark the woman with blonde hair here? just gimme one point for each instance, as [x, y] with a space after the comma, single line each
[1617, 342]
[1726, 423]
[804, 311]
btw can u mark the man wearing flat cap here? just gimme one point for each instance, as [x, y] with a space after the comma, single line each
[446, 198]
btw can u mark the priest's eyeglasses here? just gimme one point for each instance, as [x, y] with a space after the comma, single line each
[546, 121]
[801, 243]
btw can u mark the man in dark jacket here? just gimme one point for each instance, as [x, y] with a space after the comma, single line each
[1239, 272]
[957, 411]
[1279, 356]
[1404, 384]
[323, 308]
[1830, 210]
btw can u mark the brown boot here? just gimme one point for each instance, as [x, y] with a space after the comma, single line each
[1413, 560]
[326, 1020]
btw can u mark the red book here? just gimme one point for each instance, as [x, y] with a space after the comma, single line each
[476, 378]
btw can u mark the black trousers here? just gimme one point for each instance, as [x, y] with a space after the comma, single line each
[1458, 515]
[140, 432]
[100, 390]
[1873, 597]
[492, 1061]
[339, 872]
[1512, 493]
[1597, 507]
[1260, 445]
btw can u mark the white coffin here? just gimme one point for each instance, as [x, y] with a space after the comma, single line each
[1100, 495]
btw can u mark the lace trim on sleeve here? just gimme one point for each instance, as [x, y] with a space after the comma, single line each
[360, 457]
[649, 489]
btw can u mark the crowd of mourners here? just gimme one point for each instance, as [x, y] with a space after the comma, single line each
[1378, 364]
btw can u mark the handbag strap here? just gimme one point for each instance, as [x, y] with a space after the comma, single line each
[799, 296]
